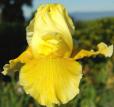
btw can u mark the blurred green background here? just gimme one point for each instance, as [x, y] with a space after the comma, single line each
[97, 84]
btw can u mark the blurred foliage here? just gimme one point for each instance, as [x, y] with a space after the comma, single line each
[12, 10]
[12, 29]
[12, 95]
[97, 84]
[12, 41]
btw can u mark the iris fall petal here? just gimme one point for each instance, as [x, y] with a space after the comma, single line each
[16, 64]
[103, 49]
[51, 81]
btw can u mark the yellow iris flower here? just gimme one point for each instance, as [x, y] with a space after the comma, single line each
[47, 71]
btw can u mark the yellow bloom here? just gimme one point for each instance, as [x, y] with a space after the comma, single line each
[48, 72]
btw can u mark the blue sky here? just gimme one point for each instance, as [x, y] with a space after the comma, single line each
[75, 5]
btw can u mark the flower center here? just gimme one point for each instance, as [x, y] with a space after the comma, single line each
[51, 45]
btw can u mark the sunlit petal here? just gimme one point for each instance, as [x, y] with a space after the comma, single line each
[103, 49]
[50, 45]
[30, 31]
[51, 81]
[16, 64]
[54, 18]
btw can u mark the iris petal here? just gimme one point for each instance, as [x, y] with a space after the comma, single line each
[46, 21]
[103, 49]
[30, 31]
[51, 81]
[50, 45]
[16, 64]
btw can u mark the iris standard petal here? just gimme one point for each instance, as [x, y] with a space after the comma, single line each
[54, 18]
[103, 49]
[30, 31]
[51, 81]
